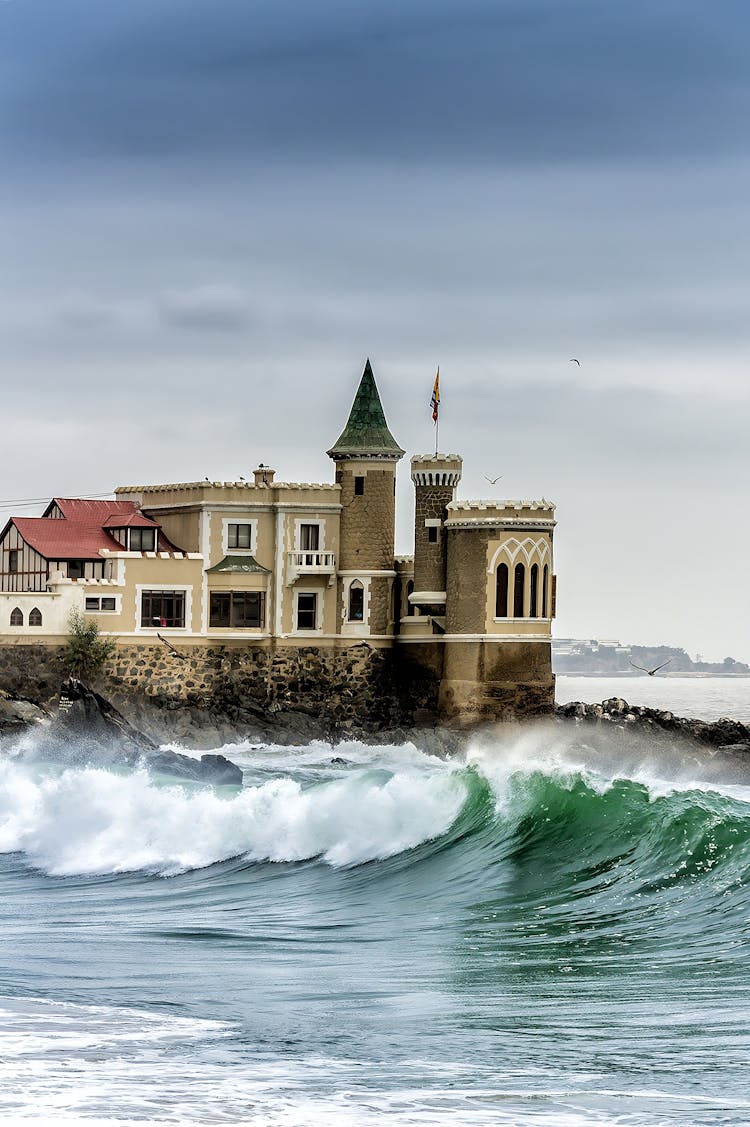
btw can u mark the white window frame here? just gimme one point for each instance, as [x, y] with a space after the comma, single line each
[117, 607]
[319, 597]
[298, 534]
[152, 630]
[226, 550]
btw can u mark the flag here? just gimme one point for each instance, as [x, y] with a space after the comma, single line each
[435, 401]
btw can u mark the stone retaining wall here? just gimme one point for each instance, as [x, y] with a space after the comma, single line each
[352, 690]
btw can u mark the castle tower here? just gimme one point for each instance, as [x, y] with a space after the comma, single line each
[435, 478]
[366, 455]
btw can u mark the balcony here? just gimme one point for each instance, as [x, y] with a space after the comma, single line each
[305, 562]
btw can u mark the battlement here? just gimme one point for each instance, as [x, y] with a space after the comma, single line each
[436, 469]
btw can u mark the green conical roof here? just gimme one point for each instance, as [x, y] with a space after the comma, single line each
[366, 434]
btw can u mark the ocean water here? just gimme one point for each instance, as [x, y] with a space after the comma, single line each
[705, 698]
[540, 932]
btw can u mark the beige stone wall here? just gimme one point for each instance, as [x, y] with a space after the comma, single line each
[466, 581]
[149, 571]
[429, 559]
[367, 522]
[487, 681]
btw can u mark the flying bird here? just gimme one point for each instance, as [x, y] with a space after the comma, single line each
[574, 361]
[492, 480]
[170, 647]
[651, 671]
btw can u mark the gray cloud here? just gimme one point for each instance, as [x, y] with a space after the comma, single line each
[483, 81]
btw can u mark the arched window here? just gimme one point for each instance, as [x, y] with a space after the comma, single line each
[519, 579]
[544, 592]
[35, 617]
[533, 590]
[409, 591]
[16, 617]
[356, 602]
[501, 592]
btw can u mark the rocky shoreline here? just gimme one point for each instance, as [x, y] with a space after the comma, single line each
[88, 725]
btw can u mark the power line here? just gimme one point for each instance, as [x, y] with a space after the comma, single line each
[22, 502]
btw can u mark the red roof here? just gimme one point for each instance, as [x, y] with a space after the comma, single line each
[65, 539]
[81, 533]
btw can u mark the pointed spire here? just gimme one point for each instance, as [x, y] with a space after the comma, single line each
[366, 434]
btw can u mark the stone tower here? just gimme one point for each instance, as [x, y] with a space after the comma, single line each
[366, 455]
[435, 478]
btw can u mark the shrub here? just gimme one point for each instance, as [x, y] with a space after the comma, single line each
[85, 653]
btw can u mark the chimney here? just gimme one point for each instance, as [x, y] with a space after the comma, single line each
[263, 475]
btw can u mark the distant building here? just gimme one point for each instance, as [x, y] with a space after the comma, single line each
[276, 564]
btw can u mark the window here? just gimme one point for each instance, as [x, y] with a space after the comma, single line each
[307, 611]
[544, 592]
[533, 590]
[359, 487]
[356, 602]
[13, 559]
[309, 537]
[239, 609]
[501, 592]
[239, 536]
[163, 608]
[35, 617]
[16, 617]
[519, 581]
[432, 534]
[107, 603]
[76, 569]
[409, 591]
[142, 540]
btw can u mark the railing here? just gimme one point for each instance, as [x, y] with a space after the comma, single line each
[312, 563]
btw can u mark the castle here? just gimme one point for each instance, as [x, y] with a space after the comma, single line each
[269, 568]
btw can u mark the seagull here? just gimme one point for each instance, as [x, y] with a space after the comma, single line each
[170, 647]
[492, 480]
[574, 361]
[651, 671]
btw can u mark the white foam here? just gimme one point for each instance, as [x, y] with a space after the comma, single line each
[91, 821]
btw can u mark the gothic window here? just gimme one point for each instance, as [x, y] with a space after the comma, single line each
[501, 592]
[544, 592]
[409, 591]
[356, 602]
[16, 617]
[533, 590]
[519, 580]
[35, 617]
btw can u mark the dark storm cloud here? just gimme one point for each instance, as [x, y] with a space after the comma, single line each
[448, 80]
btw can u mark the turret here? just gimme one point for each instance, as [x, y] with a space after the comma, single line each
[366, 455]
[435, 478]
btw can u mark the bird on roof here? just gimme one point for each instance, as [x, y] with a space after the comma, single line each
[492, 480]
[574, 361]
[170, 647]
[651, 672]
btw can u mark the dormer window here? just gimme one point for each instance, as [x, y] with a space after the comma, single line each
[142, 540]
[136, 539]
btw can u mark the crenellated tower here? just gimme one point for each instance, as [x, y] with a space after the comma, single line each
[435, 478]
[366, 456]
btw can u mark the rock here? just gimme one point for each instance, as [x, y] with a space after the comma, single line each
[16, 714]
[215, 769]
[723, 733]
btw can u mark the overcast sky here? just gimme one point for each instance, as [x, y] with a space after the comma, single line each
[212, 211]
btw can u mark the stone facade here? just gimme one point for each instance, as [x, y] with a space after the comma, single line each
[287, 598]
